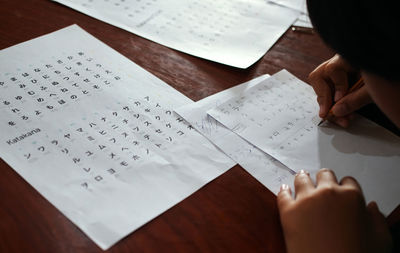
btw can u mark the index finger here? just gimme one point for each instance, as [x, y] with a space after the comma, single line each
[323, 90]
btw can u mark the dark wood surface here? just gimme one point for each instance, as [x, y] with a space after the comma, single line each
[233, 213]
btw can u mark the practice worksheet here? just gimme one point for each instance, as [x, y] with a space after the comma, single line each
[300, 5]
[96, 134]
[279, 116]
[267, 170]
[232, 32]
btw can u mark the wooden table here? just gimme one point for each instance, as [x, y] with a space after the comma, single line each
[233, 213]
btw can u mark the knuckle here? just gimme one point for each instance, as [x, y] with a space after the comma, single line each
[328, 191]
[324, 170]
[347, 178]
[331, 67]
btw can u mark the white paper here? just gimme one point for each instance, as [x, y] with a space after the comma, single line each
[300, 5]
[263, 167]
[96, 135]
[232, 32]
[279, 116]
[304, 21]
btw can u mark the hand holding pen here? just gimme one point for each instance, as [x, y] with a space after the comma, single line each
[336, 99]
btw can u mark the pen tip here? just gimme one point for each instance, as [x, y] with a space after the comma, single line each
[320, 123]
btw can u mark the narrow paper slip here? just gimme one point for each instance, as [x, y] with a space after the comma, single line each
[279, 116]
[96, 135]
[266, 169]
[232, 32]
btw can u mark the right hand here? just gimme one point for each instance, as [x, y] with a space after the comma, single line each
[330, 82]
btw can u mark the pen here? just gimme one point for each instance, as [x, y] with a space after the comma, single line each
[356, 86]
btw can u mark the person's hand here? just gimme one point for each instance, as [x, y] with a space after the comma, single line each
[330, 217]
[330, 82]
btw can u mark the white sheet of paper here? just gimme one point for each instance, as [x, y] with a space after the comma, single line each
[279, 116]
[232, 32]
[300, 5]
[263, 167]
[304, 21]
[96, 135]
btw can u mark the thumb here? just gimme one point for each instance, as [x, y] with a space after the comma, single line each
[381, 233]
[351, 102]
[378, 220]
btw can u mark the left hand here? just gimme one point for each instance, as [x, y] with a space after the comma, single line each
[331, 217]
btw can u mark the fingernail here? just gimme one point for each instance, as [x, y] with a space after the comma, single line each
[301, 172]
[285, 187]
[338, 95]
[340, 110]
